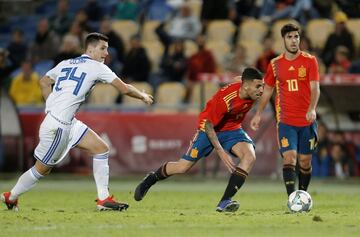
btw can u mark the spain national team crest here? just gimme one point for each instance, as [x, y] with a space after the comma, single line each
[194, 153]
[284, 142]
[302, 72]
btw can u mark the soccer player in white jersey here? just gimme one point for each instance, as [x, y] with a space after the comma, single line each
[64, 88]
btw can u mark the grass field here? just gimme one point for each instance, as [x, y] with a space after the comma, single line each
[181, 207]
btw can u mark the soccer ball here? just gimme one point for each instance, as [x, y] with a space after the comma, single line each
[300, 201]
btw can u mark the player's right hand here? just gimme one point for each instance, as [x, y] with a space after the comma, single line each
[255, 122]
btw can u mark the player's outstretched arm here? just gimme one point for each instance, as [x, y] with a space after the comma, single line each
[131, 91]
[255, 121]
[45, 85]
[226, 158]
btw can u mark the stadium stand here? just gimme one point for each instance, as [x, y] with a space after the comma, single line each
[253, 30]
[220, 30]
[316, 36]
[169, 97]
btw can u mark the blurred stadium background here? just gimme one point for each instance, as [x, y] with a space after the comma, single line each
[181, 51]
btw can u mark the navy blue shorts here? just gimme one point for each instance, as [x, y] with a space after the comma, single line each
[200, 146]
[301, 139]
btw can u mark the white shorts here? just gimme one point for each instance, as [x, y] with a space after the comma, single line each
[56, 139]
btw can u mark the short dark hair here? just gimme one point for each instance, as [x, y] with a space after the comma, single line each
[289, 28]
[251, 74]
[95, 38]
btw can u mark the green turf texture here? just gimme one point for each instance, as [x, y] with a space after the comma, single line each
[181, 208]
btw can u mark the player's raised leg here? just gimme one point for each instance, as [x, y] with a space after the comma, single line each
[166, 170]
[52, 144]
[246, 153]
[93, 144]
[26, 181]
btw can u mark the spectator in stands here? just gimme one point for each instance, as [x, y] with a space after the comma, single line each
[115, 40]
[202, 61]
[321, 159]
[17, 47]
[25, 88]
[83, 19]
[338, 164]
[136, 62]
[70, 48]
[61, 20]
[341, 63]
[6, 67]
[341, 36]
[343, 154]
[351, 8]
[213, 10]
[183, 26]
[325, 7]
[112, 61]
[126, 10]
[46, 43]
[174, 62]
[267, 54]
[93, 10]
[77, 31]
[301, 10]
[236, 62]
[155, 10]
[240, 10]
[269, 7]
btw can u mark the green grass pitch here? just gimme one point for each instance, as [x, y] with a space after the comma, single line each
[181, 207]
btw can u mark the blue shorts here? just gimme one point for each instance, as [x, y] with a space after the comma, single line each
[301, 139]
[200, 146]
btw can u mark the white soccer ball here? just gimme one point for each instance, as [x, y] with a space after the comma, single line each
[300, 201]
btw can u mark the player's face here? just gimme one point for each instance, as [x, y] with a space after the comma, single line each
[100, 51]
[255, 89]
[292, 41]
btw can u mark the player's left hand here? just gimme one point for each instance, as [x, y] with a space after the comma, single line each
[227, 160]
[311, 115]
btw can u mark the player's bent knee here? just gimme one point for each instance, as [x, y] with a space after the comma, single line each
[250, 159]
[42, 169]
[289, 159]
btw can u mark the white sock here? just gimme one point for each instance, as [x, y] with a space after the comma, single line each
[101, 174]
[27, 181]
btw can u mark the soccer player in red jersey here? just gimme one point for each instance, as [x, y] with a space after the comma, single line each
[295, 77]
[220, 129]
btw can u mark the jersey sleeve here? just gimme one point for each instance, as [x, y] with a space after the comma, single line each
[217, 110]
[105, 74]
[54, 72]
[269, 78]
[314, 70]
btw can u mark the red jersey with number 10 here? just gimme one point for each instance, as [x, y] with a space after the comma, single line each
[291, 79]
[225, 110]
